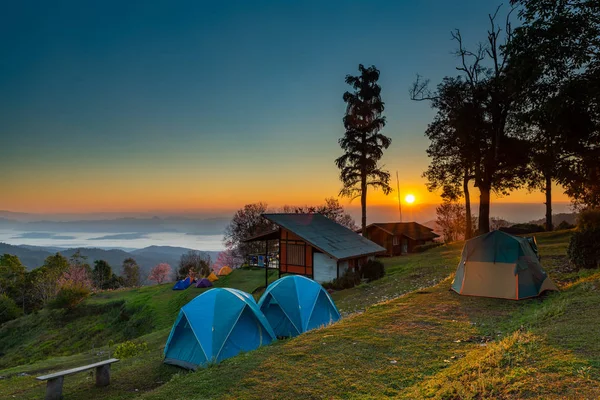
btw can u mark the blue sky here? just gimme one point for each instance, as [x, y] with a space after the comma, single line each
[163, 101]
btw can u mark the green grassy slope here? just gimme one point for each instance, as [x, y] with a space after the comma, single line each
[429, 343]
[108, 316]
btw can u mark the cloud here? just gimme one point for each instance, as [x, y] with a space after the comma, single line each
[122, 236]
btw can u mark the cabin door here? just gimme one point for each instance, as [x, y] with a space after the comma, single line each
[404, 245]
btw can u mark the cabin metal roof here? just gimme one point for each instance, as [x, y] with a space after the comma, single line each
[412, 230]
[326, 235]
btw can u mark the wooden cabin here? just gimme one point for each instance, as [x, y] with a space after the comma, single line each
[317, 247]
[400, 237]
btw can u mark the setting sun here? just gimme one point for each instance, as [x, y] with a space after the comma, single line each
[410, 198]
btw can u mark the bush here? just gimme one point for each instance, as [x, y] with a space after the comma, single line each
[373, 270]
[130, 349]
[584, 247]
[520, 229]
[564, 225]
[8, 309]
[346, 281]
[589, 219]
[423, 247]
[69, 297]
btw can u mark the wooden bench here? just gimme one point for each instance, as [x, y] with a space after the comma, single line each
[55, 380]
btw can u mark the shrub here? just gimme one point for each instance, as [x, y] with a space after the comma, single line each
[520, 229]
[584, 247]
[130, 349]
[70, 296]
[346, 281]
[564, 225]
[373, 270]
[589, 219]
[423, 247]
[8, 309]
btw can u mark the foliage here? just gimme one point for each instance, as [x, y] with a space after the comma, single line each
[70, 296]
[246, 222]
[44, 280]
[348, 280]
[130, 349]
[332, 209]
[589, 219]
[451, 219]
[131, 273]
[102, 274]
[75, 276]
[362, 143]
[12, 276]
[520, 229]
[227, 258]
[424, 247]
[564, 225]
[8, 309]
[556, 51]
[584, 248]
[194, 264]
[160, 273]
[79, 260]
[472, 137]
[372, 270]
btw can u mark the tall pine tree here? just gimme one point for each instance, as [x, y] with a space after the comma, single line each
[363, 144]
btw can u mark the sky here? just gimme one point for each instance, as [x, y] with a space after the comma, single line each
[110, 106]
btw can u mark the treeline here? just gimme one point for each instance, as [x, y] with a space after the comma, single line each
[523, 110]
[59, 282]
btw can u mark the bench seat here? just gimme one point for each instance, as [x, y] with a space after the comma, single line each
[55, 380]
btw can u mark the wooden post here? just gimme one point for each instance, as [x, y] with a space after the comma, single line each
[266, 263]
[103, 375]
[54, 388]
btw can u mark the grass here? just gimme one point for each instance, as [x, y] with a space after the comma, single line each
[106, 317]
[405, 336]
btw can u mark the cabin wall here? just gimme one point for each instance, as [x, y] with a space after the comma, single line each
[295, 255]
[381, 238]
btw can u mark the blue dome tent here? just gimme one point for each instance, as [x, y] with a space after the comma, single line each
[295, 304]
[183, 284]
[216, 325]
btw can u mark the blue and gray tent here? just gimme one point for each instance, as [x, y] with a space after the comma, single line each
[183, 284]
[500, 265]
[216, 325]
[295, 304]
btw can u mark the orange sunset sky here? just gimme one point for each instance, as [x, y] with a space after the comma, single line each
[208, 108]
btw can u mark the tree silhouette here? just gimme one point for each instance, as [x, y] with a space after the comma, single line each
[555, 51]
[363, 144]
[500, 157]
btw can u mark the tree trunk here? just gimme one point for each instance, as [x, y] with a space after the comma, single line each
[484, 210]
[548, 203]
[363, 205]
[469, 222]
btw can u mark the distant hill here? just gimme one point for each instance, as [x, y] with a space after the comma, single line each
[570, 218]
[33, 257]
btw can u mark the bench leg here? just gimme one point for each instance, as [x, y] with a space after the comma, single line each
[103, 375]
[54, 388]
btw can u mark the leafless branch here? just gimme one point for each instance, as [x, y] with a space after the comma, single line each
[420, 90]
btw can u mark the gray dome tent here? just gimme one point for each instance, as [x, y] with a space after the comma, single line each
[500, 265]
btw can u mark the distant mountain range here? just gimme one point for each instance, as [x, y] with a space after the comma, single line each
[570, 218]
[34, 256]
[142, 224]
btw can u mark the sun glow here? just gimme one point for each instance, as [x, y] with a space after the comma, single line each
[410, 198]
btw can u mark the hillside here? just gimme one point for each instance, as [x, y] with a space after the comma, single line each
[33, 257]
[408, 337]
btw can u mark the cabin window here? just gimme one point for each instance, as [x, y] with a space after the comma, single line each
[295, 254]
[396, 241]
